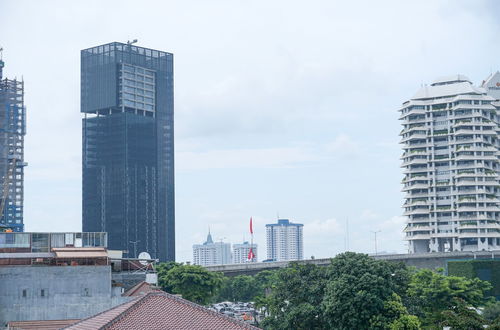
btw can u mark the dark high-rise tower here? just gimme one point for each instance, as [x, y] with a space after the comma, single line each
[12, 131]
[128, 148]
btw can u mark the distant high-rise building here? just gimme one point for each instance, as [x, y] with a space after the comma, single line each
[451, 167]
[128, 148]
[211, 253]
[284, 241]
[12, 131]
[241, 251]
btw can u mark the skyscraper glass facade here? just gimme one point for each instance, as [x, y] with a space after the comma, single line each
[128, 148]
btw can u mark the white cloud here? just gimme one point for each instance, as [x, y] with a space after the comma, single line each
[301, 113]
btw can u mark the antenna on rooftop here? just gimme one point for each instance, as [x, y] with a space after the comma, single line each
[1, 53]
[131, 42]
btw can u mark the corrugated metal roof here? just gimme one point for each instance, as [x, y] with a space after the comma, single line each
[80, 252]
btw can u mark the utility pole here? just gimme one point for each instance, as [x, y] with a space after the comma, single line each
[375, 234]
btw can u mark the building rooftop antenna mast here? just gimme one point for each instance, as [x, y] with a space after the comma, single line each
[1, 53]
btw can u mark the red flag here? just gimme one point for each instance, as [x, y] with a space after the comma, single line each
[251, 256]
[251, 227]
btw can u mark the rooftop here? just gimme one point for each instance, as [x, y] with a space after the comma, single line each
[284, 222]
[447, 88]
[446, 80]
[159, 310]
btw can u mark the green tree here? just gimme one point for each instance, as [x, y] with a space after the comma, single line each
[491, 311]
[358, 289]
[162, 270]
[193, 282]
[394, 315]
[405, 322]
[294, 301]
[461, 317]
[244, 288]
[430, 293]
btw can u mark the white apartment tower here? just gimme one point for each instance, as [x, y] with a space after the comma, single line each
[210, 253]
[241, 251]
[450, 162]
[284, 241]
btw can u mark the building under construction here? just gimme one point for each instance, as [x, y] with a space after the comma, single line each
[12, 131]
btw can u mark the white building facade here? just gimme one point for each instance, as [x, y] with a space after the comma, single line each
[211, 253]
[284, 241]
[241, 251]
[450, 162]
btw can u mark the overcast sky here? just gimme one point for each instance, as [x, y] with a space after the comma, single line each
[281, 107]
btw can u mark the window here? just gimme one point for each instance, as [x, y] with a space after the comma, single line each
[24, 293]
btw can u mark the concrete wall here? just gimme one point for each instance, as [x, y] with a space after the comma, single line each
[71, 292]
[128, 280]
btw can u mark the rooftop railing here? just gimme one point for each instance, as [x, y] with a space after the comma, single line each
[43, 242]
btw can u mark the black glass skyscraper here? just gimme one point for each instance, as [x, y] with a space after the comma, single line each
[128, 148]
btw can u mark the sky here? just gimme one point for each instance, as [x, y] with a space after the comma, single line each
[282, 108]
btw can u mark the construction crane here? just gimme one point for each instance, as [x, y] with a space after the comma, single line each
[6, 184]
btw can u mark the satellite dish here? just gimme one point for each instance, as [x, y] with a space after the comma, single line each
[143, 258]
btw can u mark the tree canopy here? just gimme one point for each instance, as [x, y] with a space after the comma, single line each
[193, 282]
[354, 292]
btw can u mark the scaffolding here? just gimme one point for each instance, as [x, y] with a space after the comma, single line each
[12, 131]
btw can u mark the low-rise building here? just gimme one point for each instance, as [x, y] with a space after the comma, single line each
[55, 276]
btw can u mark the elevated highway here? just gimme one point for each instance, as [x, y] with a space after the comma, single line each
[420, 260]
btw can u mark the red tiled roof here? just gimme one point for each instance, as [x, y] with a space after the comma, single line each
[160, 310]
[45, 325]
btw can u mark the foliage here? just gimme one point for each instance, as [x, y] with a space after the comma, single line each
[488, 269]
[296, 297]
[394, 311]
[461, 317]
[246, 288]
[239, 288]
[430, 293]
[162, 270]
[358, 289]
[405, 322]
[491, 311]
[193, 282]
